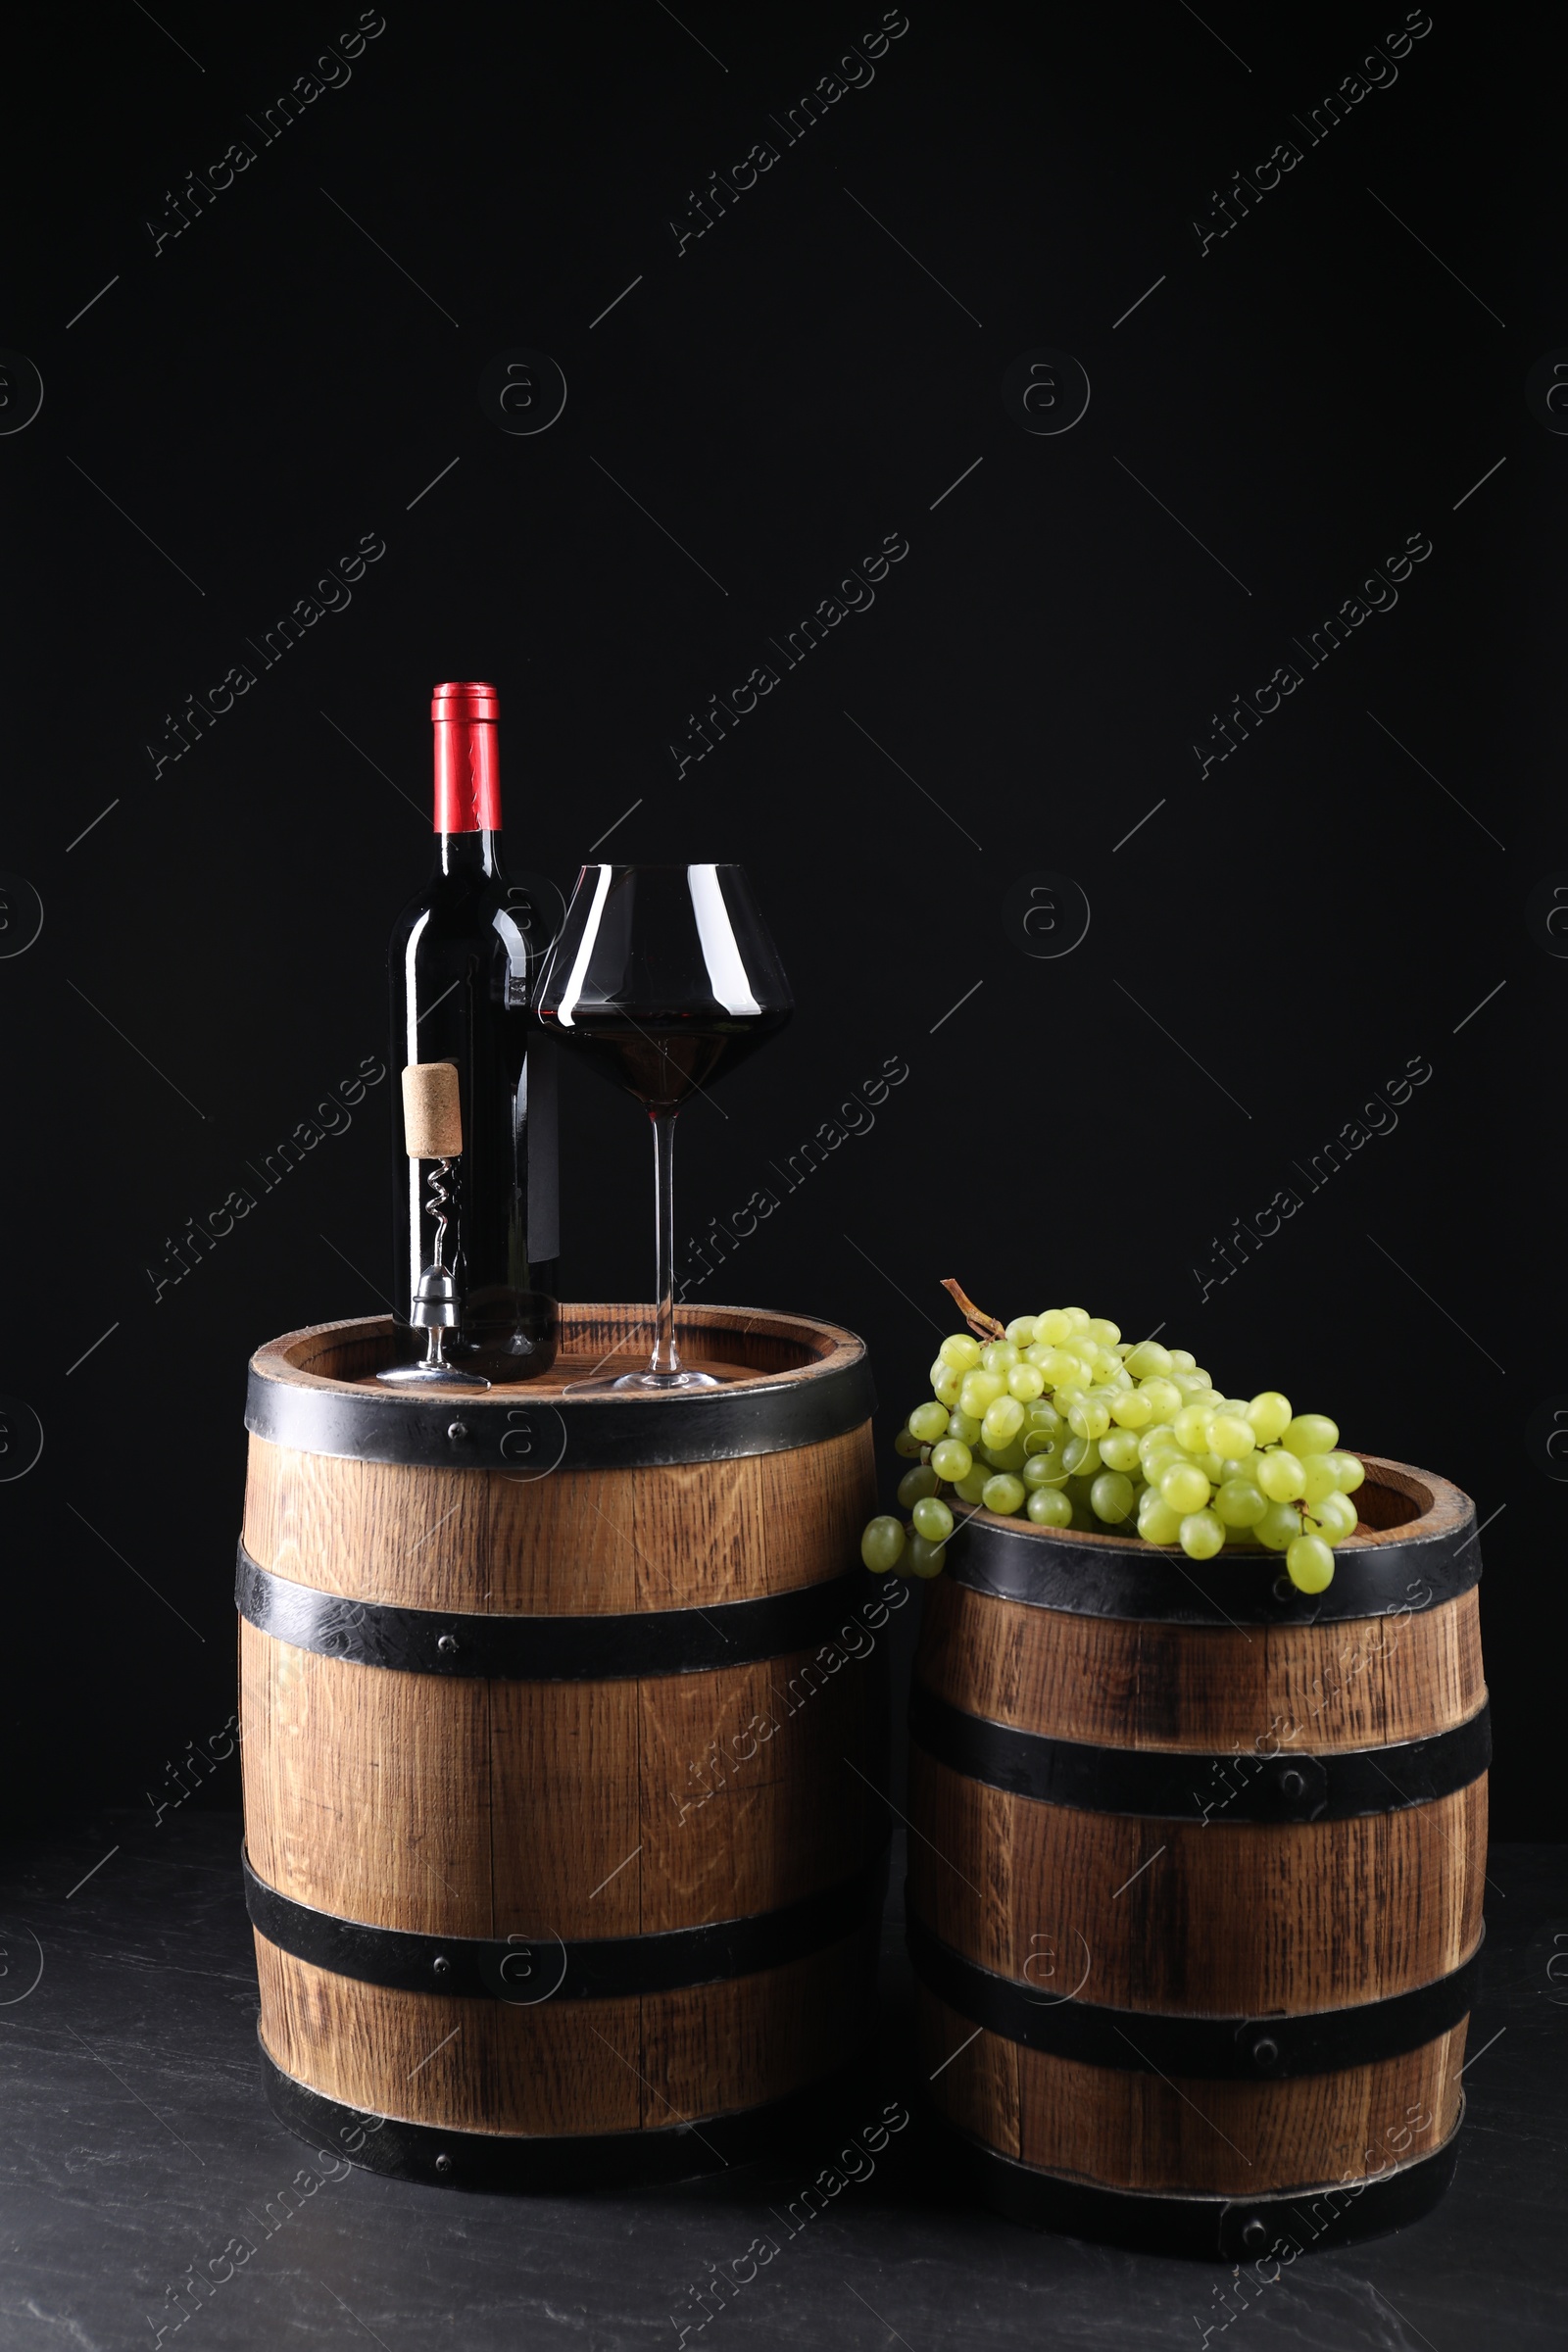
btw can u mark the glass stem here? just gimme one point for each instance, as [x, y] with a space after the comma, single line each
[665, 1356]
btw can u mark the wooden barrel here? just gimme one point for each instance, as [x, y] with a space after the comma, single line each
[1195, 1907]
[563, 1727]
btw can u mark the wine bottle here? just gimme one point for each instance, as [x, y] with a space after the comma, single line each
[464, 956]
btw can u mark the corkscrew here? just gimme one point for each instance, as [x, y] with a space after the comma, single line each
[432, 1121]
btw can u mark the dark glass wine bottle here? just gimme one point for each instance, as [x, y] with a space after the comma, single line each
[465, 955]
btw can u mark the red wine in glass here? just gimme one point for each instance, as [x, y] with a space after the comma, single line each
[665, 978]
[663, 1066]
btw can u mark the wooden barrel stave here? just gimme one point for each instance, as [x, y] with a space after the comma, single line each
[572, 1543]
[1103, 1681]
[1061, 1927]
[1218, 1924]
[645, 2063]
[409, 1801]
[1195, 2136]
[568, 1807]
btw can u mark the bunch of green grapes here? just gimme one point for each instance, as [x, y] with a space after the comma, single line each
[1065, 1421]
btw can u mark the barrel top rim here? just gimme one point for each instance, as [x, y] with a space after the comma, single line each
[838, 1349]
[1445, 1511]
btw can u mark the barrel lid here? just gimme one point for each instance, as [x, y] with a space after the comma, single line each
[797, 1382]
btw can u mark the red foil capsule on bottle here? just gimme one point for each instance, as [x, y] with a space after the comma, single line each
[468, 764]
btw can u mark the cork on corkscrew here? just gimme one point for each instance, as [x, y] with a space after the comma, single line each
[432, 1127]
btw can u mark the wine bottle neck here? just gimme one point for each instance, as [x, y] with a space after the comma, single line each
[467, 852]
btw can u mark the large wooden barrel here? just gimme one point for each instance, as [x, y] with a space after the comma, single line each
[1195, 1908]
[564, 1726]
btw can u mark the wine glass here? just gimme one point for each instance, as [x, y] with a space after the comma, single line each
[665, 976]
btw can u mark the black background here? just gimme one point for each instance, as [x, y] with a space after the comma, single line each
[1278, 941]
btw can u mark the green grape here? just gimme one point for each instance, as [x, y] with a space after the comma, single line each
[946, 1386]
[1192, 1386]
[1059, 1369]
[1336, 1517]
[1118, 1448]
[961, 1352]
[1238, 1465]
[1043, 1470]
[1161, 1437]
[928, 1423]
[882, 1544]
[1132, 1408]
[1043, 1415]
[1000, 1356]
[1231, 1434]
[916, 1482]
[1240, 1503]
[910, 1447]
[959, 1425]
[1090, 1417]
[1107, 1334]
[1192, 1429]
[1181, 1360]
[1280, 1523]
[1110, 1497]
[1157, 1523]
[1047, 1507]
[1002, 1421]
[1025, 1382]
[1081, 1458]
[1309, 1563]
[1201, 1535]
[972, 1484]
[925, 1558]
[1280, 1475]
[1312, 1432]
[1201, 1377]
[1319, 1472]
[1350, 1471]
[1052, 1328]
[979, 1390]
[1005, 1495]
[951, 1460]
[1165, 1397]
[1183, 1486]
[933, 1519]
[1270, 1415]
[1021, 1329]
[1008, 1457]
[1078, 1317]
[1148, 1361]
[1211, 1466]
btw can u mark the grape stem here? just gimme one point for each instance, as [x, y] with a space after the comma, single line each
[983, 1326]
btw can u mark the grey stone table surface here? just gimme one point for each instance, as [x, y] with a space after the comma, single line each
[137, 2145]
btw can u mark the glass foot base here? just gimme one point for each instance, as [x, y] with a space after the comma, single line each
[664, 1383]
[429, 1376]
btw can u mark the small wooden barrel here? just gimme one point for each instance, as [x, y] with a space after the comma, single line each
[564, 1721]
[1195, 1908]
